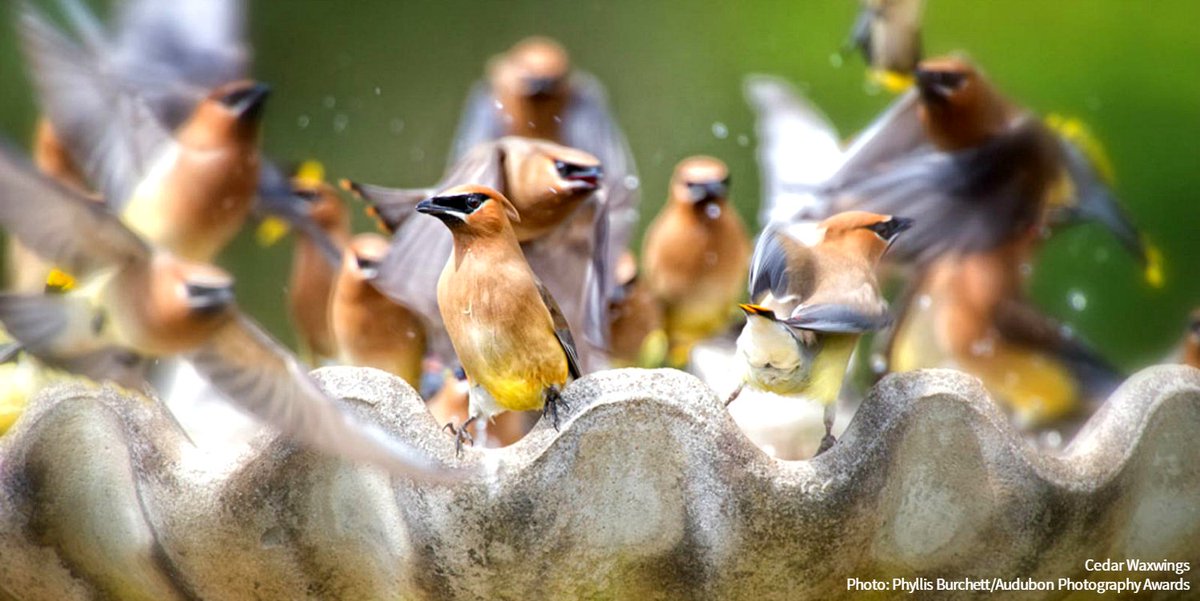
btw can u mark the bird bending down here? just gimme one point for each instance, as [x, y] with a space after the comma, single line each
[510, 337]
[815, 293]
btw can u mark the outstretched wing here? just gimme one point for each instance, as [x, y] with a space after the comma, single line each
[258, 375]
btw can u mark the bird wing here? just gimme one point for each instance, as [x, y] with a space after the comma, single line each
[798, 149]
[849, 318]
[894, 134]
[175, 52]
[108, 128]
[60, 224]
[277, 197]
[479, 122]
[260, 376]
[1094, 201]
[964, 201]
[1022, 323]
[421, 246]
[781, 266]
[562, 330]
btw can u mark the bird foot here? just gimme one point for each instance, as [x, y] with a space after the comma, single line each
[461, 435]
[734, 395]
[826, 443]
[554, 400]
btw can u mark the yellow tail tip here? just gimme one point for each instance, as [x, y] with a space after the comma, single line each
[892, 81]
[653, 352]
[270, 231]
[310, 173]
[59, 280]
[1078, 133]
[1153, 271]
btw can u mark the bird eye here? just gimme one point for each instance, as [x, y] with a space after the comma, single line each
[473, 201]
[571, 171]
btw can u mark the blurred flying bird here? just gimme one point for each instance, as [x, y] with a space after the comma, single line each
[513, 342]
[532, 90]
[546, 183]
[369, 329]
[315, 262]
[137, 303]
[888, 34]
[814, 292]
[637, 338]
[695, 255]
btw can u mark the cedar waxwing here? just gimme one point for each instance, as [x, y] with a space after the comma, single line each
[370, 330]
[636, 319]
[511, 339]
[532, 90]
[888, 34]
[970, 313]
[451, 406]
[695, 254]
[546, 183]
[977, 169]
[814, 292]
[1191, 341]
[310, 285]
[138, 303]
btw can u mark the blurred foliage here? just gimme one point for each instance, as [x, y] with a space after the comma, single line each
[373, 89]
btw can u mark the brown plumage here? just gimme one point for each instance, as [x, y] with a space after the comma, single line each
[636, 319]
[695, 254]
[530, 85]
[370, 330]
[1191, 342]
[513, 343]
[959, 107]
[310, 284]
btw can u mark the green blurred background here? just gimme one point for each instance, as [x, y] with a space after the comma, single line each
[373, 88]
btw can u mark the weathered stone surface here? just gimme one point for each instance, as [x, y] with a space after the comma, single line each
[649, 492]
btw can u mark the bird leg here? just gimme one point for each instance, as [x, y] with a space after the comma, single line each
[553, 399]
[828, 440]
[461, 435]
[734, 395]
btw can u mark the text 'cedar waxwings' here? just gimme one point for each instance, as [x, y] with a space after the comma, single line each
[545, 182]
[814, 292]
[451, 405]
[970, 313]
[169, 143]
[695, 255]
[637, 338]
[511, 339]
[310, 284]
[138, 303]
[888, 34]
[369, 329]
[532, 90]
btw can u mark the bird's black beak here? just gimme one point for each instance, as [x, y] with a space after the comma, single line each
[541, 87]
[583, 176]
[937, 86]
[449, 215]
[699, 193]
[247, 103]
[888, 230]
[208, 299]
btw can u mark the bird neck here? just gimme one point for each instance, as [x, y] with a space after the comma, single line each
[496, 246]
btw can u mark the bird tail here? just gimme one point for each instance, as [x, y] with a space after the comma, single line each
[389, 207]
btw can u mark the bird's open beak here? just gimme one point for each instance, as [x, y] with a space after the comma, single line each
[448, 215]
[209, 299]
[247, 103]
[580, 177]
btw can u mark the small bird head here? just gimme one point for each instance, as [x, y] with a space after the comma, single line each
[206, 289]
[231, 111]
[868, 234]
[186, 302]
[701, 182]
[959, 107]
[364, 255]
[321, 201]
[547, 181]
[535, 69]
[471, 210]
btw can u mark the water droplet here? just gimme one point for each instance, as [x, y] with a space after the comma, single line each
[631, 182]
[499, 105]
[417, 154]
[879, 363]
[924, 301]
[713, 210]
[329, 102]
[557, 119]
[983, 347]
[1052, 439]
[396, 125]
[340, 121]
[1077, 299]
[1025, 269]
[743, 140]
[836, 60]
[302, 122]
[378, 90]
[719, 130]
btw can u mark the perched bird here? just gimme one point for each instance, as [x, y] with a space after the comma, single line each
[1191, 341]
[637, 338]
[546, 183]
[513, 342]
[970, 313]
[315, 262]
[368, 329]
[451, 405]
[814, 293]
[532, 90]
[888, 34]
[695, 254]
[137, 303]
